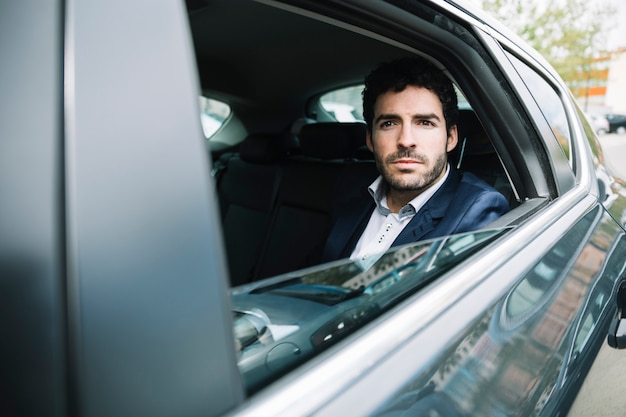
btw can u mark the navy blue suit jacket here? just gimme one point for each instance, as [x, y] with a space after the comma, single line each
[462, 204]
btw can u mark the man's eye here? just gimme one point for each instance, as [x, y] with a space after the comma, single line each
[425, 123]
[386, 123]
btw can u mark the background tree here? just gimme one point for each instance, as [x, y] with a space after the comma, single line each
[570, 34]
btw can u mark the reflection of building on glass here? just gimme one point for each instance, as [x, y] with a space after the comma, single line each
[390, 264]
[420, 260]
[518, 356]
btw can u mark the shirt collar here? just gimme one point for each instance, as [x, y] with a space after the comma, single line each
[378, 191]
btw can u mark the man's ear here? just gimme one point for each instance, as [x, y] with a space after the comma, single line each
[453, 138]
[368, 140]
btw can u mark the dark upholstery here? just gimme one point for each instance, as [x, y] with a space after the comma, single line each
[331, 140]
[475, 153]
[276, 207]
[263, 149]
[247, 188]
[302, 213]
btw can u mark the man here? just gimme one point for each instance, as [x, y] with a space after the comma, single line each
[410, 108]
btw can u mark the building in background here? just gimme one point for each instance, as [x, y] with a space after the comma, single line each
[616, 83]
[601, 88]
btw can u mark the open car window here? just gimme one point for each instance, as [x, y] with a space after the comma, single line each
[281, 322]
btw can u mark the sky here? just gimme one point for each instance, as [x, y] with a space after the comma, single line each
[617, 37]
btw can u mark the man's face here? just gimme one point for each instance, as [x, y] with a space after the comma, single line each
[409, 139]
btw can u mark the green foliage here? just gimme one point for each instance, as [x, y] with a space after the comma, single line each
[570, 34]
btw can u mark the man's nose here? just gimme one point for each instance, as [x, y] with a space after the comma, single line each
[406, 137]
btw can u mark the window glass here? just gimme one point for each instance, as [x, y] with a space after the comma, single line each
[280, 324]
[345, 104]
[550, 104]
[213, 114]
[462, 100]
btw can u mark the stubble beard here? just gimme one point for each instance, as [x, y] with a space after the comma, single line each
[413, 182]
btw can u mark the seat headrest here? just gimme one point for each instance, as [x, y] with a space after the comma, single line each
[474, 145]
[263, 148]
[330, 140]
[472, 135]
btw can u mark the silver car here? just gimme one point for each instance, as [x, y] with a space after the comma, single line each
[150, 270]
[599, 123]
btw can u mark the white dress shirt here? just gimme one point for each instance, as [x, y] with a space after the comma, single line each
[384, 226]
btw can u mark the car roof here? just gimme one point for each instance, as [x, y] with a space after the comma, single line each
[291, 58]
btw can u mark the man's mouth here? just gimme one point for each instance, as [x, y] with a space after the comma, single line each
[406, 161]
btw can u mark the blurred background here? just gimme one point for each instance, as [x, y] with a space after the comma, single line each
[585, 41]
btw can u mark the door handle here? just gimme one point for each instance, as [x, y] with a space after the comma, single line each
[617, 331]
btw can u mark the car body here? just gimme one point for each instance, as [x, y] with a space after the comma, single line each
[617, 122]
[132, 283]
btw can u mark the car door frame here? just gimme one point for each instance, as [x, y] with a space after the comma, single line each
[114, 282]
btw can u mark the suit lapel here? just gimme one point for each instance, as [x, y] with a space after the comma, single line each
[348, 225]
[350, 228]
[431, 213]
[420, 225]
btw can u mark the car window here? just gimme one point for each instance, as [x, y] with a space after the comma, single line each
[279, 324]
[550, 104]
[346, 104]
[213, 114]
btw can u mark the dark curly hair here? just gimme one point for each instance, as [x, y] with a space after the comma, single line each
[410, 71]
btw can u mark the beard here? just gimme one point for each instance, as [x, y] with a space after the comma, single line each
[411, 181]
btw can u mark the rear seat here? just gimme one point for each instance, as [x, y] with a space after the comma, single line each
[276, 208]
[302, 213]
[247, 184]
[476, 154]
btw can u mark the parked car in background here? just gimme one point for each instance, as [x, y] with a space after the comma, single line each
[617, 122]
[148, 270]
[599, 123]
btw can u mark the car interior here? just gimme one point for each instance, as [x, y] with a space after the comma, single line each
[280, 158]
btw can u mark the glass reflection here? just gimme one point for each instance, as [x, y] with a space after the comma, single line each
[526, 354]
[281, 322]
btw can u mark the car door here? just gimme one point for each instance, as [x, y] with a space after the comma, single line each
[113, 280]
